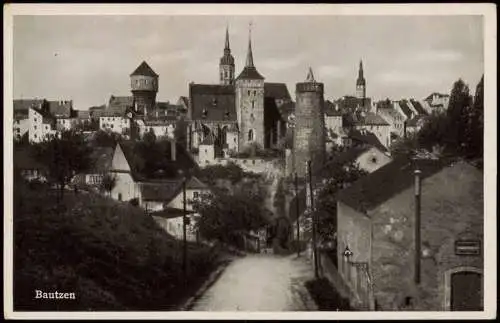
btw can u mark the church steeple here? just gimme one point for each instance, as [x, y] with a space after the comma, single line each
[361, 83]
[361, 78]
[249, 52]
[226, 47]
[226, 65]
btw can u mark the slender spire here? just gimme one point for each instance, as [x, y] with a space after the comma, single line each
[226, 47]
[360, 75]
[310, 76]
[249, 53]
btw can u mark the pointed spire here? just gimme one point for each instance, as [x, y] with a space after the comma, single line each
[360, 74]
[226, 47]
[310, 76]
[249, 53]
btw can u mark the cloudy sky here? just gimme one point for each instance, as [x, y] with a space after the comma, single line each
[89, 58]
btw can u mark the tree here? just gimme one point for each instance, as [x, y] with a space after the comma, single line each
[228, 217]
[475, 128]
[337, 176]
[64, 156]
[457, 118]
[108, 183]
[104, 138]
[180, 132]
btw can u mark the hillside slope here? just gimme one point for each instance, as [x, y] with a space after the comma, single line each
[110, 254]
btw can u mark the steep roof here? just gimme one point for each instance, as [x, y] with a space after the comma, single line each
[161, 191]
[212, 102]
[250, 73]
[420, 109]
[389, 180]
[23, 105]
[145, 70]
[371, 118]
[429, 98]
[158, 166]
[60, 109]
[366, 138]
[330, 109]
[276, 91]
[194, 183]
[406, 109]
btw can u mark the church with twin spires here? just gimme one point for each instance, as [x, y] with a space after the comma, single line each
[241, 110]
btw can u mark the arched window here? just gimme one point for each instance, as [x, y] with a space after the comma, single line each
[225, 73]
[250, 135]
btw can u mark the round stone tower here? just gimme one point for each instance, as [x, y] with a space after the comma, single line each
[144, 84]
[309, 131]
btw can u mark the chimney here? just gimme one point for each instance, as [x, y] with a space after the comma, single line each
[417, 224]
[173, 152]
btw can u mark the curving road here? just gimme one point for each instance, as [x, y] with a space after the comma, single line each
[261, 282]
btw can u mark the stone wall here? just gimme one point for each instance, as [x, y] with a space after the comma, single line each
[451, 208]
[309, 134]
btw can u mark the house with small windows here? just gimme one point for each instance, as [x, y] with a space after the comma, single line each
[41, 125]
[21, 115]
[160, 194]
[390, 263]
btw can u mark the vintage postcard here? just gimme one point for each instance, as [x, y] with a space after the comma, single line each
[257, 161]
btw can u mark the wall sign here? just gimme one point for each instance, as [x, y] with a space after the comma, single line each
[468, 247]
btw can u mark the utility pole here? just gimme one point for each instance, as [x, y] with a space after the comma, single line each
[417, 225]
[184, 238]
[313, 218]
[297, 212]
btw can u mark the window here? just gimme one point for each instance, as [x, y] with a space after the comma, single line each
[250, 135]
[206, 151]
[234, 140]
[47, 127]
[35, 135]
[253, 161]
[195, 195]
[254, 92]
[253, 104]
[34, 127]
[35, 119]
[225, 73]
[146, 82]
[119, 196]
[248, 92]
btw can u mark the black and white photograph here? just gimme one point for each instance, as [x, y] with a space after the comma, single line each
[250, 161]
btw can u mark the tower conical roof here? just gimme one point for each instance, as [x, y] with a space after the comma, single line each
[145, 70]
[227, 39]
[310, 76]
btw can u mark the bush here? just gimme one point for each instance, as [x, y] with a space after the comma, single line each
[134, 201]
[326, 297]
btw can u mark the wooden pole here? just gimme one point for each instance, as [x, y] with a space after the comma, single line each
[313, 218]
[417, 226]
[297, 212]
[184, 237]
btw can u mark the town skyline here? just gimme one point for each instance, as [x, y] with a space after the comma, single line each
[441, 50]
